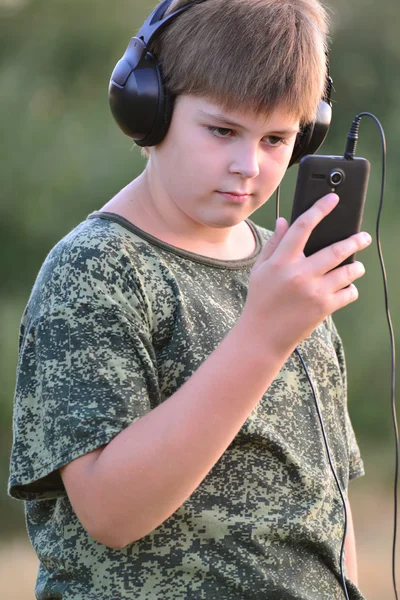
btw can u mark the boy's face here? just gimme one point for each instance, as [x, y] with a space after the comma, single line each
[215, 167]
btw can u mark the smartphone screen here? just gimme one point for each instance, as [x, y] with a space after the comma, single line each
[317, 176]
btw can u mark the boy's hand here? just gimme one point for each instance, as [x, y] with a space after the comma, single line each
[289, 293]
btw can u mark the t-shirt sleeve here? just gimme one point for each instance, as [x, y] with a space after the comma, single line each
[356, 465]
[86, 366]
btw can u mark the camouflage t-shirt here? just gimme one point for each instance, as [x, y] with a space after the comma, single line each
[117, 321]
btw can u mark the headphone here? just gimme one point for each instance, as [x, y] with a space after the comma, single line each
[142, 106]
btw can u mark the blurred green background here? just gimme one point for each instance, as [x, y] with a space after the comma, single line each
[62, 157]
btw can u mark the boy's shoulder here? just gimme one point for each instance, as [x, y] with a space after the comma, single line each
[98, 259]
[95, 237]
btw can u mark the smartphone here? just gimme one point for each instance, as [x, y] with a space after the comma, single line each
[348, 178]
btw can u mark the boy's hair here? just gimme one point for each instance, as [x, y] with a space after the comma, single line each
[255, 55]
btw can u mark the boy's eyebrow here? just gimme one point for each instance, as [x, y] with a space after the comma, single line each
[221, 118]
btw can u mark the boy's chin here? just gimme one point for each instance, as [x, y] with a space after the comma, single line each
[224, 221]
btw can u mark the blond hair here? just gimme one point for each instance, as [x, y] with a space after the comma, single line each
[250, 54]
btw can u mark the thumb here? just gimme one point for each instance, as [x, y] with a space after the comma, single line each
[281, 228]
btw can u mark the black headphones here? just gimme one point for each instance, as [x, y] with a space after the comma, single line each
[142, 106]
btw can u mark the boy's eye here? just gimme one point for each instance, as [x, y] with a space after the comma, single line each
[224, 132]
[274, 140]
[221, 132]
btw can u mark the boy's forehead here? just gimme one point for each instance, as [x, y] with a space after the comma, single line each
[244, 117]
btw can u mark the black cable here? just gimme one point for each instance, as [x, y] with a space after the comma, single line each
[333, 472]
[277, 201]
[349, 153]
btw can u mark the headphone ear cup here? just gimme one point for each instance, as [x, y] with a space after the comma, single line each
[311, 137]
[163, 116]
[301, 143]
[140, 103]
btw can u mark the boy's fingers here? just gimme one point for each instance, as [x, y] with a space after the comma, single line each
[281, 228]
[345, 296]
[328, 258]
[300, 231]
[342, 277]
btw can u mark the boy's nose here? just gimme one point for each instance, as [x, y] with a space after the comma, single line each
[246, 163]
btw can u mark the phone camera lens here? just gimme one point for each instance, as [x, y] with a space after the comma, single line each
[336, 178]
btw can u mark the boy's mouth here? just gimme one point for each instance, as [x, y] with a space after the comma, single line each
[237, 197]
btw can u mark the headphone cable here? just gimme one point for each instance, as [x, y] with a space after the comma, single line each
[349, 153]
[333, 472]
[277, 201]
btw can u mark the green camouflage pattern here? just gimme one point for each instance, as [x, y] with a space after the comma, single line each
[116, 322]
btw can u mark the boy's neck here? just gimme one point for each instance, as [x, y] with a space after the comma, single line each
[136, 203]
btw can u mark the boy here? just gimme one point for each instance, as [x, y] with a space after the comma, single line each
[166, 438]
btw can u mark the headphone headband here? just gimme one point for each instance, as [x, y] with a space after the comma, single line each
[156, 22]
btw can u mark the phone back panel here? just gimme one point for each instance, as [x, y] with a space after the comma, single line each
[313, 182]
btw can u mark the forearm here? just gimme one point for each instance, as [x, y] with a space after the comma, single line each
[141, 477]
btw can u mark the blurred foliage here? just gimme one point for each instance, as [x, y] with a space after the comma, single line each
[63, 157]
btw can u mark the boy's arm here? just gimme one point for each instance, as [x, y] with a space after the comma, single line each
[123, 491]
[350, 547]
